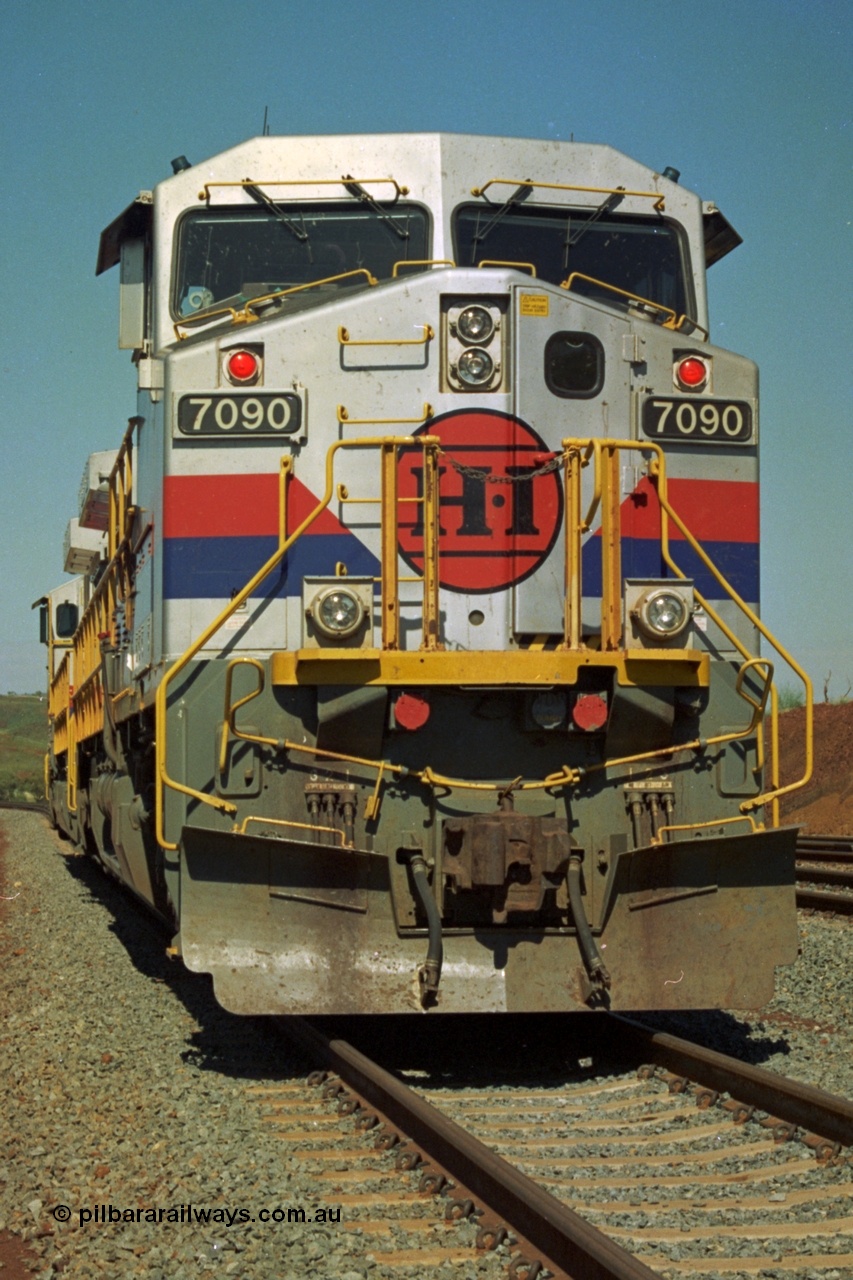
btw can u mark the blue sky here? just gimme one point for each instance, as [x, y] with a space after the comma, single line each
[750, 99]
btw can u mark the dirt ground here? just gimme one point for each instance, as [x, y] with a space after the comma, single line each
[825, 805]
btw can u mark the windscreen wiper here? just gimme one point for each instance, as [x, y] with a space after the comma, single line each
[276, 210]
[518, 197]
[357, 190]
[606, 206]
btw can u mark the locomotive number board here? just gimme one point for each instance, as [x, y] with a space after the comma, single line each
[240, 415]
[716, 421]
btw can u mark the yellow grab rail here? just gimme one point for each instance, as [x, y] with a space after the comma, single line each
[346, 341]
[231, 709]
[405, 263]
[699, 826]
[204, 194]
[240, 828]
[499, 262]
[346, 421]
[659, 200]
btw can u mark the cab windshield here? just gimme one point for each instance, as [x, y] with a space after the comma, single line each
[641, 255]
[227, 256]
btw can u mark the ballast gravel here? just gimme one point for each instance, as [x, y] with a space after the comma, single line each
[125, 1091]
[126, 1085]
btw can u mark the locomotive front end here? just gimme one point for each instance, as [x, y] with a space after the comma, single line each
[442, 689]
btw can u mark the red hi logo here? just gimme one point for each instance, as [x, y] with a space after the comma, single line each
[499, 513]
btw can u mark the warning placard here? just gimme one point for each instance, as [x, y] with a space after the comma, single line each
[533, 304]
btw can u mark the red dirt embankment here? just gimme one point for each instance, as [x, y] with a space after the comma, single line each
[825, 805]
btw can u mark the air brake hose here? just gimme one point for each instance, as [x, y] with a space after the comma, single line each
[430, 972]
[592, 958]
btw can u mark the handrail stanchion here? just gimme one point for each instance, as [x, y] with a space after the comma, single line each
[285, 467]
[389, 538]
[431, 608]
[611, 552]
[574, 581]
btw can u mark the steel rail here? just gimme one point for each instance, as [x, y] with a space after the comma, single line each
[825, 901]
[825, 848]
[27, 806]
[803, 1105]
[820, 873]
[564, 1240]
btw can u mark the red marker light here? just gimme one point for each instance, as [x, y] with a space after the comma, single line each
[242, 366]
[589, 712]
[411, 710]
[691, 372]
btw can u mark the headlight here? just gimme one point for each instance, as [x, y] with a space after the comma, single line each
[337, 613]
[475, 324]
[475, 367]
[662, 613]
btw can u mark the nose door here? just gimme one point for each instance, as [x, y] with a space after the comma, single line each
[571, 381]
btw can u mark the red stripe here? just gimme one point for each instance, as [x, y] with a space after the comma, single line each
[247, 506]
[713, 510]
[236, 506]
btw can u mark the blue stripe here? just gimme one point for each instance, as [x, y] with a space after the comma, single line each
[216, 568]
[738, 562]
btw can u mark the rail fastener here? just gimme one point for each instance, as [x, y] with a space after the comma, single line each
[808, 1108]
[540, 1225]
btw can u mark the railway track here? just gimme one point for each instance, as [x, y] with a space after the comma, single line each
[616, 1130]
[671, 1159]
[825, 874]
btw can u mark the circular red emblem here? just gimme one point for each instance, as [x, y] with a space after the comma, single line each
[499, 512]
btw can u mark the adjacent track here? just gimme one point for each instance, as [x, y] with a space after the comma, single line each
[825, 874]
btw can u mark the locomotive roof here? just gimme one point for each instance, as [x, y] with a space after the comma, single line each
[423, 164]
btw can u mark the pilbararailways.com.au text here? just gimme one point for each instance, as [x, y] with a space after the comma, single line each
[110, 1214]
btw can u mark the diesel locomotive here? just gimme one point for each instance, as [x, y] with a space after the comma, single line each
[413, 657]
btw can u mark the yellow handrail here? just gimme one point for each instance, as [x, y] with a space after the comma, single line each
[578, 453]
[429, 444]
[77, 691]
[675, 320]
[671, 323]
[657, 473]
[245, 315]
[311, 284]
